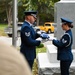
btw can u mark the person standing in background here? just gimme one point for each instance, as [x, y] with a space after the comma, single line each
[64, 46]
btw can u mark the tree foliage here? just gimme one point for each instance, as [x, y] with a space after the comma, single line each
[3, 4]
[45, 8]
[6, 6]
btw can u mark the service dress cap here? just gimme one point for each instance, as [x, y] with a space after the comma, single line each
[33, 13]
[65, 20]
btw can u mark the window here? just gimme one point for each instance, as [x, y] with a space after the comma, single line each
[48, 24]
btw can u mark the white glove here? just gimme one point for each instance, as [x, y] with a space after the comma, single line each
[44, 36]
[39, 32]
[51, 38]
[39, 39]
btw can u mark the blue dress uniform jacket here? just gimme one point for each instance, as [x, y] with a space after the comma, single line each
[28, 42]
[64, 46]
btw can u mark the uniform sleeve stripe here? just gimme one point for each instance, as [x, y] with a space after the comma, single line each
[69, 40]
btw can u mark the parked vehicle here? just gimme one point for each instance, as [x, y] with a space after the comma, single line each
[47, 27]
[8, 30]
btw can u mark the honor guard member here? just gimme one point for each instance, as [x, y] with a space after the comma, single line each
[28, 37]
[64, 45]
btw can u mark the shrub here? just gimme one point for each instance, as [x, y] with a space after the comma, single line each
[40, 46]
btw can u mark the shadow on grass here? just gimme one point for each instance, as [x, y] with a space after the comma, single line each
[35, 68]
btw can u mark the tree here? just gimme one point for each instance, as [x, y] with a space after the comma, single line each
[45, 8]
[6, 5]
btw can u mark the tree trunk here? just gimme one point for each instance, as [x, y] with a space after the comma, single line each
[9, 14]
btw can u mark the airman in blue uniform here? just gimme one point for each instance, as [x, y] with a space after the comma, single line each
[28, 38]
[64, 45]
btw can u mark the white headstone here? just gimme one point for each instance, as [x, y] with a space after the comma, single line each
[64, 9]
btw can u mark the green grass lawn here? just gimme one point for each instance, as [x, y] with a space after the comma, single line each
[2, 27]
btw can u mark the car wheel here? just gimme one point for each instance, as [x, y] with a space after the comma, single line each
[37, 30]
[10, 35]
[49, 31]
